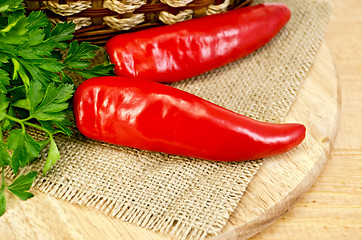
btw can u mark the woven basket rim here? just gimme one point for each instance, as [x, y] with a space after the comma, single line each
[147, 8]
[98, 30]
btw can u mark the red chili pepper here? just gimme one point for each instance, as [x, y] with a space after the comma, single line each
[156, 117]
[186, 49]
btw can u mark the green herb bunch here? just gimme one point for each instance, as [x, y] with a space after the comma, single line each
[35, 89]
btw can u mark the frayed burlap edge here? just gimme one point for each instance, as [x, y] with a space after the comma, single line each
[188, 198]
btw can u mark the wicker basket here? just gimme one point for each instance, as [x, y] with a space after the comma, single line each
[99, 20]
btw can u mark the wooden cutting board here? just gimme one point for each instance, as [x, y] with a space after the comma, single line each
[277, 186]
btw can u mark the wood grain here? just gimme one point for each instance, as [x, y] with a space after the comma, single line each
[332, 208]
[279, 183]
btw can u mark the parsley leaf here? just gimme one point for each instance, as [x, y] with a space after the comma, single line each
[37, 20]
[4, 155]
[2, 201]
[7, 124]
[10, 5]
[25, 149]
[36, 88]
[78, 60]
[15, 31]
[22, 185]
[53, 156]
[62, 32]
[66, 78]
[35, 94]
[79, 54]
[96, 71]
[58, 126]
[3, 106]
[4, 80]
[52, 104]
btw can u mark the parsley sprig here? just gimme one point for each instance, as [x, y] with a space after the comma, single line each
[36, 88]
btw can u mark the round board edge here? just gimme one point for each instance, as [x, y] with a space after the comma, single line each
[323, 66]
[81, 222]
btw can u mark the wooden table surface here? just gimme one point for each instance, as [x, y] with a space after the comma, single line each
[332, 208]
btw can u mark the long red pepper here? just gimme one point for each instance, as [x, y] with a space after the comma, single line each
[156, 117]
[186, 49]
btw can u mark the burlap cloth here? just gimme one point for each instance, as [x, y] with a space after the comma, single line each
[190, 198]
